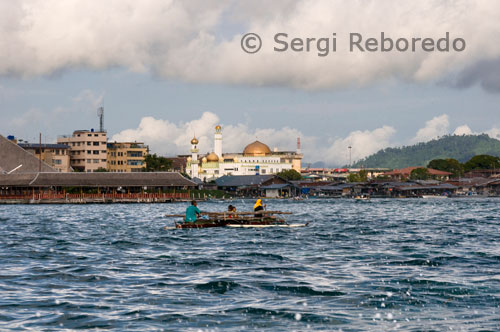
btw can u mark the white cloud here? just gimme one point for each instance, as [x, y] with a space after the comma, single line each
[169, 138]
[438, 126]
[463, 130]
[363, 144]
[199, 40]
[494, 133]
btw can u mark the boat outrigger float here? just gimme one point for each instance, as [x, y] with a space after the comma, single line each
[236, 219]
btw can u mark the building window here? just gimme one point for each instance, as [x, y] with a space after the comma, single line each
[57, 162]
[96, 135]
[95, 143]
[89, 135]
[89, 161]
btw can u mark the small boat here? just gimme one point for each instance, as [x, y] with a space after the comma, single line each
[362, 198]
[434, 196]
[236, 220]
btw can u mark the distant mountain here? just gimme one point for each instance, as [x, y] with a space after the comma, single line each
[461, 148]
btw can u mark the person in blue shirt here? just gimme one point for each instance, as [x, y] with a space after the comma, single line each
[192, 212]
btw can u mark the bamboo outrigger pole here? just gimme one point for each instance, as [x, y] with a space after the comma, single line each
[230, 213]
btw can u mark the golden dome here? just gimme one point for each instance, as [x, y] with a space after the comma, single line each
[189, 159]
[256, 149]
[212, 157]
[218, 127]
[194, 141]
[235, 159]
[204, 159]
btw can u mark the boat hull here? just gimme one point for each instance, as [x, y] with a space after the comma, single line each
[231, 222]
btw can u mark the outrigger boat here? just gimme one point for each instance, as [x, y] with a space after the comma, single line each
[236, 219]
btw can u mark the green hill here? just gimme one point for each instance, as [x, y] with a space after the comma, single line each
[461, 148]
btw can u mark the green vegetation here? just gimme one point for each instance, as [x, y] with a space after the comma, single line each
[482, 162]
[206, 193]
[101, 170]
[362, 176]
[156, 164]
[420, 174]
[461, 148]
[448, 165]
[290, 174]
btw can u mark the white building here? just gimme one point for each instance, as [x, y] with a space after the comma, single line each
[257, 158]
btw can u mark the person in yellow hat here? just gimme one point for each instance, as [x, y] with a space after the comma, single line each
[258, 207]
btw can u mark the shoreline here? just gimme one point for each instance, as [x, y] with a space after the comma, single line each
[184, 200]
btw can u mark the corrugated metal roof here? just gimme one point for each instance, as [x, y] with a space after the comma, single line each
[277, 186]
[242, 180]
[44, 146]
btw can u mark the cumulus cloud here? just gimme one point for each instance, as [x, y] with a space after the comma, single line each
[463, 130]
[466, 130]
[165, 137]
[486, 73]
[438, 126]
[199, 40]
[494, 133]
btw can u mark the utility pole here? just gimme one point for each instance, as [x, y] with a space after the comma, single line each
[350, 156]
[40, 156]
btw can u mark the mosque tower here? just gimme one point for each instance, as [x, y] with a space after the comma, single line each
[194, 157]
[218, 141]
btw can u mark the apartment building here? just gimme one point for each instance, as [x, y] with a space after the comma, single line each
[126, 157]
[55, 155]
[88, 149]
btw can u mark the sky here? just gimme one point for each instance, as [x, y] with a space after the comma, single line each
[167, 70]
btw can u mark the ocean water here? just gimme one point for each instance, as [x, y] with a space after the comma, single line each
[380, 265]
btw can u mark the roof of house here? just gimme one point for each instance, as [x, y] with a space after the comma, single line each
[154, 179]
[407, 171]
[12, 156]
[428, 187]
[277, 186]
[44, 146]
[242, 180]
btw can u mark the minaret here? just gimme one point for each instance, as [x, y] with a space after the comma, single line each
[218, 141]
[194, 157]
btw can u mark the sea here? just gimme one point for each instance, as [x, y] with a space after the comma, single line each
[377, 265]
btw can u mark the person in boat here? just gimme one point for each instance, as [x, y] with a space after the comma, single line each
[232, 211]
[192, 212]
[258, 207]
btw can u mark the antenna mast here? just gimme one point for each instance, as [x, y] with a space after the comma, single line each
[100, 114]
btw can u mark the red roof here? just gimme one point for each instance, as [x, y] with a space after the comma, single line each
[407, 171]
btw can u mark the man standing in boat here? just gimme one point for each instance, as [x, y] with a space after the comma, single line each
[192, 212]
[258, 207]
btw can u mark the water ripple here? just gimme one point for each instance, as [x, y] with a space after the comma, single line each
[381, 265]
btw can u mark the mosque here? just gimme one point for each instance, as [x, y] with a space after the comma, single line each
[256, 159]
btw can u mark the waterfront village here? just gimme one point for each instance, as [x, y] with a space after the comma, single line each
[86, 167]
